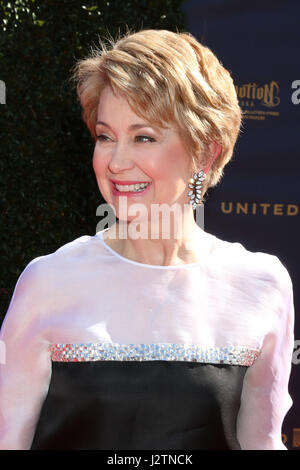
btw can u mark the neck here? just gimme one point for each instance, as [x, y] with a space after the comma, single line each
[150, 243]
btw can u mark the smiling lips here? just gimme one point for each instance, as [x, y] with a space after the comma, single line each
[128, 182]
[127, 188]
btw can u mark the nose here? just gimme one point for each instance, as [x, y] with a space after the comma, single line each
[120, 159]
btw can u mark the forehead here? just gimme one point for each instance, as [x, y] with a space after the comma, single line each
[109, 98]
[114, 107]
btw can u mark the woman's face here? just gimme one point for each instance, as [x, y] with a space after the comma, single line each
[131, 150]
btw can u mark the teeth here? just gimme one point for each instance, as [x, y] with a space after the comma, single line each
[132, 187]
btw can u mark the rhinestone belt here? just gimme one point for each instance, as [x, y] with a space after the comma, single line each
[234, 355]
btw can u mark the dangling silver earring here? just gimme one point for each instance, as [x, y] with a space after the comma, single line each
[195, 183]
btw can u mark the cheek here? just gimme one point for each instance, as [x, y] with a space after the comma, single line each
[170, 163]
[178, 158]
[99, 164]
[158, 163]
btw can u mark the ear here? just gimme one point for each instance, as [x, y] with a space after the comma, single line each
[212, 152]
[215, 150]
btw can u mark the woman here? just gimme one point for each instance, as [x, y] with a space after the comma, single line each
[142, 337]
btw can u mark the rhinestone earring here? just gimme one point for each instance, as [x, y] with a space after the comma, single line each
[195, 184]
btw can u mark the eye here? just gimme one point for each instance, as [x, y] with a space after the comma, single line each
[105, 138]
[99, 137]
[145, 137]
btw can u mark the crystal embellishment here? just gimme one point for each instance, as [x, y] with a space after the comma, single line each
[195, 183]
[234, 355]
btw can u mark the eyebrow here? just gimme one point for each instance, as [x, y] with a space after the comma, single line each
[133, 126]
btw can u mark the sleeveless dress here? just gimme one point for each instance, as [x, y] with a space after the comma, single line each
[102, 352]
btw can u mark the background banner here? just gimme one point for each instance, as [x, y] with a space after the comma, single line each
[257, 202]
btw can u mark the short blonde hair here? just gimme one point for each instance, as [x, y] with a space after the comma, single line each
[166, 77]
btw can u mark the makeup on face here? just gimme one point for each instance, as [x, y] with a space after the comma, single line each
[135, 158]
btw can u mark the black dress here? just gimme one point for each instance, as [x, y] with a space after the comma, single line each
[142, 404]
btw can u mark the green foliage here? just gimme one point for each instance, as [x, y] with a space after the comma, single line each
[49, 193]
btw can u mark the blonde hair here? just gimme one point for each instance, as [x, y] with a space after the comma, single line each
[166, 77]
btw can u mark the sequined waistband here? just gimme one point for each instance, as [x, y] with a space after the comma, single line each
[234, 355]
